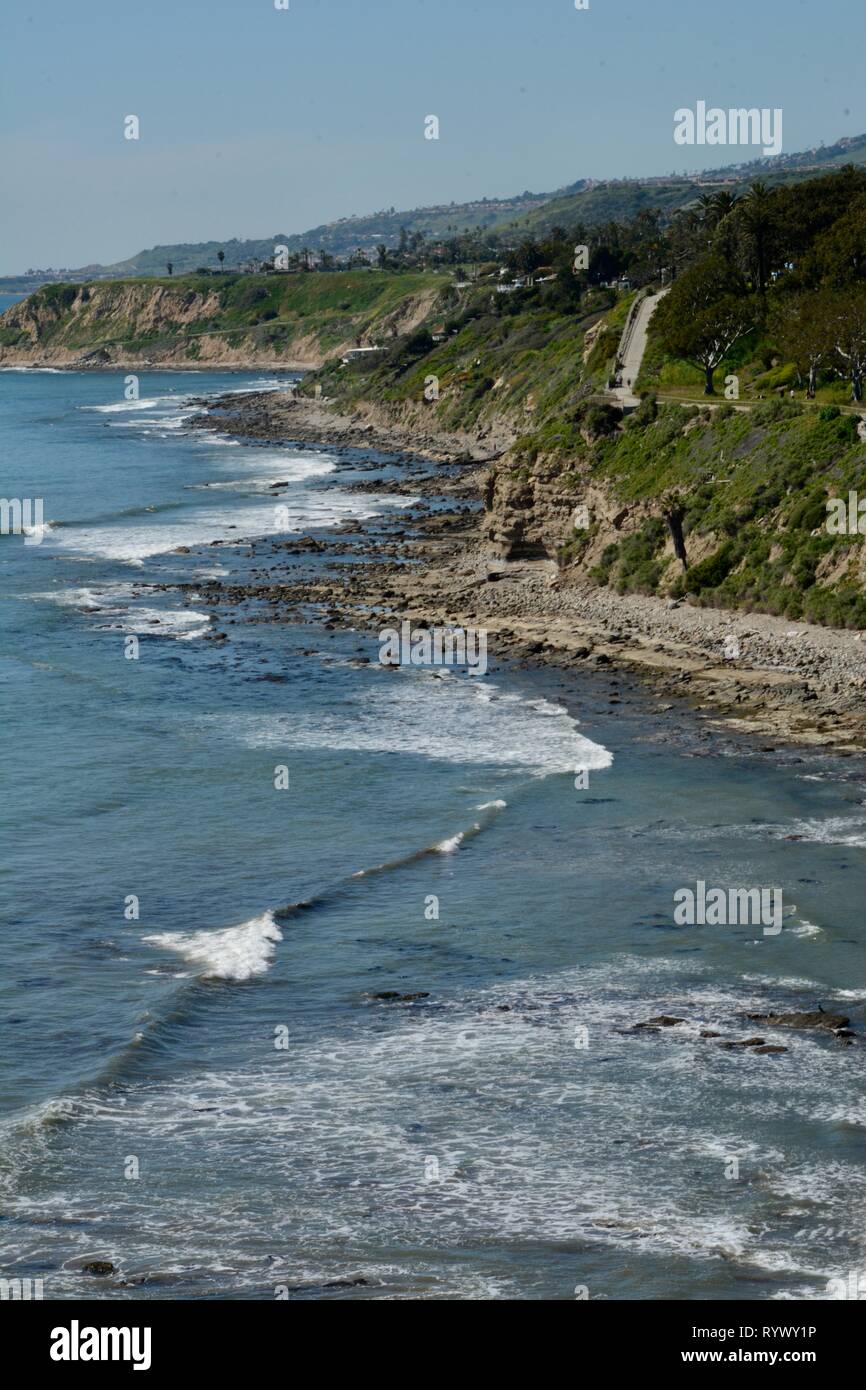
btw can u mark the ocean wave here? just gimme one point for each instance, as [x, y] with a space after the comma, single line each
[121, 407]
[805, 929]
[116, 605]
[833, 830]
[232, 953]
[435, 719]
[446, 846]
[90, 597]
[200, 526]
[264, 474]
[183, 623]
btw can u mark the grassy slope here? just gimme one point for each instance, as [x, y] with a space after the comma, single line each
[754, 488]
[525, 366]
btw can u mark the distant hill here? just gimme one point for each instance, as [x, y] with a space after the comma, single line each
[590, 202]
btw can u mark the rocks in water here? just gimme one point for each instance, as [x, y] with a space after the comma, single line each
[392, 996]
[100, 1268]
[811, 1019]
[836, 1024]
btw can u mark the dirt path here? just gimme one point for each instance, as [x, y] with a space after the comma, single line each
[633, 347]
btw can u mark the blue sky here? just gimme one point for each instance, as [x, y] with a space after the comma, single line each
[256, 120]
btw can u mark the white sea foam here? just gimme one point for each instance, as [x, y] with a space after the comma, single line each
[351, 1124]
[263, 472]
[135, 543]
[834, 830]
[117, 611]
[233, 953]
[454, 842]
[157, 424]
[804, 928]
[122, 407]
[434, 719]
[183, 623]
[90, 597]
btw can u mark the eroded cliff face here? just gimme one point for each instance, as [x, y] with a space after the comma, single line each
[553, 509]
[528, 509]
[120, 324]
[98, 323]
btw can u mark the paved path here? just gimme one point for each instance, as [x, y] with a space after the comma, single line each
[633, 347]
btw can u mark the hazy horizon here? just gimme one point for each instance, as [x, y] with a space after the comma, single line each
[255, 120]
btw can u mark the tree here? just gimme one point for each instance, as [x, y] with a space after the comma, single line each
[757, 215]
[382, 254]
[847, 311]
[839, 254]
[221, 255]
[802, 327]
[169, 267]
[723, 203]
[705, 313]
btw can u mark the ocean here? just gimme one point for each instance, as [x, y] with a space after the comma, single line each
[219, 853]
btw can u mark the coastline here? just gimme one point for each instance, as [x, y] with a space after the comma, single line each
[790, 682]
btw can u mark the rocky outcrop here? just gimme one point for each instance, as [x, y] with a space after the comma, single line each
[533, 511]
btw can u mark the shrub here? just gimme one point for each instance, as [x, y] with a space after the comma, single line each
[598, 420]
[709, 573]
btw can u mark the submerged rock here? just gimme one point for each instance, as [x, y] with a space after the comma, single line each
[393, 995]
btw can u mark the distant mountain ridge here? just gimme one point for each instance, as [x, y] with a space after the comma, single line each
[586, 201]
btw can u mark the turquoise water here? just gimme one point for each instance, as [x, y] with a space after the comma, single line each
[209, 1096]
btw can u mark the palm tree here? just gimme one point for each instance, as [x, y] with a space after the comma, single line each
[705, 203]
[757, 213]
[169, 267]
[221, 255]
[724, 202]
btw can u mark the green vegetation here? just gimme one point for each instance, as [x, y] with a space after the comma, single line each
[752, 490]
[779, 299]
[518, 355]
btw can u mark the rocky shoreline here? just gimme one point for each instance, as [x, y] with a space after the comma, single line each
[766, 676]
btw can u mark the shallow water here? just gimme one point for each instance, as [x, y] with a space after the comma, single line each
[210, 1096]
